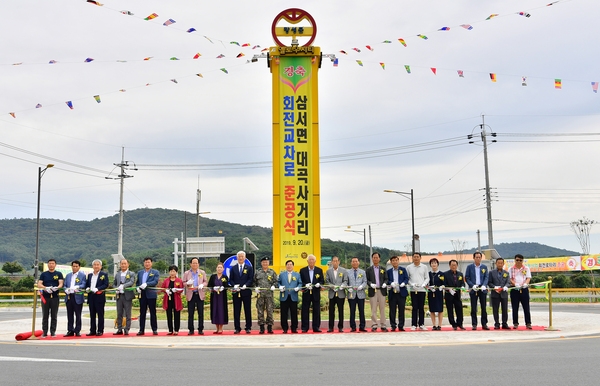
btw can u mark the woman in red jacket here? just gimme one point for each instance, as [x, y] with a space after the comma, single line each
[172, 299]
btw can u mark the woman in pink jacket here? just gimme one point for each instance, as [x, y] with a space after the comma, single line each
[173, 288]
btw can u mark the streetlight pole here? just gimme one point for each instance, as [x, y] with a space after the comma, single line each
[37, 249]
[412, 210]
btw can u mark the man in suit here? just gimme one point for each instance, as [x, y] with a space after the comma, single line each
[241, 276]
[195, 280]
[357, 281]
[397, 279]
[96, 282]
[74, 286]
[454, 280]
[289, 285]
[499, 279]
[377, 287]
[147, 277]
[337, 278]
[124, 279]
[477, 277]
[312, 279]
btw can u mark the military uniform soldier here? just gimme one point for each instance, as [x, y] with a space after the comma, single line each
[265, 281]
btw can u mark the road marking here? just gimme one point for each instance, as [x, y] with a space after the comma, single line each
[20, 359]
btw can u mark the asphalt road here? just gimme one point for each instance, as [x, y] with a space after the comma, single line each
[580, 308]
[543, 362]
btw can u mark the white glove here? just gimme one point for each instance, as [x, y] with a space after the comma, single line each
[318, 285]
[452, 292]
[424, 284]
[168, 292]
[236, 287]
[190, 282]
[373, 285]
[475, 287]
[483, 288]
[309, 286]
[296, 289]
[384, 285]
[272, 288]
[281, 288]
[221, 288]
[360, 287]
[120, 288]
[441, 288]
[343, 286]
[87, 290]
[505, 288]
[525, 285]
[139, 290]
[94, 290]
[200, 286]
[143, 286]
[350, 290]
[497, 287]
[68, 291]
[244, 287]
[416, 286]
[257, 290]
[175, 290]
[402, 285]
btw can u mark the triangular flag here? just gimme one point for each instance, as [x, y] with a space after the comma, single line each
[150, 17]
[174, 81]
[255, 47]
[557, 84]
[356, 49]
[97, 98]
[169, 22]
[174, 58]
[386, 41]
[382, 65]
[467, 26]
[38, 106]
[87, 60]
[240, 55]
[246, 45]
[148, 58]
[236, 43]
[491, 16]
[190, 30]
[369, 48]
[343, 52]
[13, 115]
[52, 62]
[493, 77]
[224, 70]
[70, 104]
[407, 68]
[335, 62]
[200, 75]
[422, 37]
[402, 42]
[444, 29]
[524, 14]
[595, 87]
[122, 90]
[359, 63]
[460, 73]
[95, 2]
[220, 56]
[127, 13]
[523, 81]
[434, 70]
[197, 55]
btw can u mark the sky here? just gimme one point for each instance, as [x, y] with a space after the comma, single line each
[380, 128]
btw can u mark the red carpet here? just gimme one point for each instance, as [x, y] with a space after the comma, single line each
[27, 335]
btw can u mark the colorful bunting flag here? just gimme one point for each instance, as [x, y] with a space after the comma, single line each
[220, 56]
[595, 87]
[359, 63]
[97, 98]
[240, 55]
[444, 29]
[17, 64]
[13, 115]
[236, 43]
[382, 65]
[356, 49]
[95, 2]
[174, 81]
[174, 58]
[224, 70]
[70, 104]
[343, 52]
[197, 56]
[127, 13]
[407, 68]
[423, 37]
[402, 42]
[246, 45]
[557, 84]
[434, 70]
[148, 57]
[38, 106]
[524, 14]
[52, 62]
[200, 75]
[386, 41]
[467, 26]
[491, 16]
[169, 22]
[122, 90]
[370, 48]
[256, 46]
[493, 77]
[335, 62]
[88, 60]
[150, 17]
[190, 30]
[460, 73]
[523, 81]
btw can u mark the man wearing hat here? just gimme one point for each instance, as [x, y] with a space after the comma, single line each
[265, 280]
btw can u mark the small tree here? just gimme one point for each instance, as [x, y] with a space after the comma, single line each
[13, 267]
[582, 228]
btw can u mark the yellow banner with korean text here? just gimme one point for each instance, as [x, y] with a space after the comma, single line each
[296, 192]
[590, 262]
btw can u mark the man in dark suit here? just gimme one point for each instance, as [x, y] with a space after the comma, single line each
[377, 291]
[500, 280]
[124, 279]
[397, 279]
[96, 282]
[477, 277]
[241, 276]
[454, 280]
[289, 285]
[74, 285]
[147, 277]
[312, 279]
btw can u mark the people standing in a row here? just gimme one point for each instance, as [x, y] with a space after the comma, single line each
[147, 277]
[418, 278]
[195, 280]
[96, 282]
[435, 296]
[172, 303]
[477, 277]
[336, 277]
[124, 279]
[218, 298]
[453, 278]
[50, 282]
[377, 291]
[241, 276]
[520, 276]
[312, 278]
[397, 278]
[289, 285]
[74, 286]
[265, 280]
[499, 282]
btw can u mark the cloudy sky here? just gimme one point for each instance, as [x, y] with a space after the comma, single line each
[380, 128]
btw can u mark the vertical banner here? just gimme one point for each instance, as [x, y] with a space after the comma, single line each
[296, 192]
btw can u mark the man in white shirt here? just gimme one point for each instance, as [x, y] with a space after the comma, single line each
[520, 276]
[418, 278]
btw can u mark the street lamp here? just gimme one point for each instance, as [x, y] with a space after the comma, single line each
[37, 248]
[364, 232]
[412, 209]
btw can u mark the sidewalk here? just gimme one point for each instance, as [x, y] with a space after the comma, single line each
[567, 324]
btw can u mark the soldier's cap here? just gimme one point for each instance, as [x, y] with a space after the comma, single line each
[264, 258]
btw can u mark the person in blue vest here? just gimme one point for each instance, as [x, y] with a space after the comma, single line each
[74, 287]
[147, 278]
[96, 282]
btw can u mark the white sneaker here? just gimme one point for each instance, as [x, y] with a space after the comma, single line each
[423, 328]
[413, 328]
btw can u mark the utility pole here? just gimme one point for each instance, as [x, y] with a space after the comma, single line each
[488, 196]
[198, 198]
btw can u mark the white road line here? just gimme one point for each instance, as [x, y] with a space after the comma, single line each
[20, 359]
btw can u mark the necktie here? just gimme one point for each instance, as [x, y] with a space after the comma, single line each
[240, 269]
[289, 277]
[354, 274]
[455, 278]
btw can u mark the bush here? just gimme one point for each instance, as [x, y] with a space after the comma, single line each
[24, 285]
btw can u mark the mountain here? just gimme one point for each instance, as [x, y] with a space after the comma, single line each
[152, 231]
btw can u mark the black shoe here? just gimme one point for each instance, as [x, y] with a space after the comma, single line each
[485, 327]
[294, 331]
[362, 329]
[200, 332]
[99, 334]
[190, 332]
[262, 329]
[236, 332]
[285, 331]
[496, 327]
[528, 326]
[505, 327]
[330, 330]
[454, 328]
[44, 335]
[393, 329]
[462, 328]
[383, 329]
[91, 334]
[400, 328]
[269, 329]
[304, 331]
[353, 329]
[247, 331]
[340, 330]
[474, 328]
[515, 326]
[70, 333]
[140, 333]
[317, 330]
[78, 334]
[54, 335]
[154, 332]
[125, 333]
[373, 329]
[119, 332]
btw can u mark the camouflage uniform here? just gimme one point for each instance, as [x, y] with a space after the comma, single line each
[264, 302]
